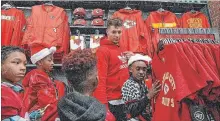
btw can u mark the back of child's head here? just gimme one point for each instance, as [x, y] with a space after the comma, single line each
[79, 66]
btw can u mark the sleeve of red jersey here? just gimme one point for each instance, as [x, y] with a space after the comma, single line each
[66, 36]
[115, 15]
[102, 66]
[28, 34]
[149, 40]
[18, 26]
[205, 22]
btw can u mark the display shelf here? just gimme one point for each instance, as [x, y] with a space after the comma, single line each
[87, 29]
[173, 6]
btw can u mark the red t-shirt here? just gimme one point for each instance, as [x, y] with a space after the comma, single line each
[134, 33]
[176, 75]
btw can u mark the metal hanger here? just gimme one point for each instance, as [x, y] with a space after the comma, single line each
[127, 7]
[7, 6]
[50, 3]
[192, 9]
[78, 32]
[161, 8]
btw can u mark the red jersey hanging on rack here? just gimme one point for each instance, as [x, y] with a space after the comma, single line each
[159, 19]
[134, 33]
[48, 26]
[194, 20]
[77, 42]
[12, 27]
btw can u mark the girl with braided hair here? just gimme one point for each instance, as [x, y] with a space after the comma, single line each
[13, 69]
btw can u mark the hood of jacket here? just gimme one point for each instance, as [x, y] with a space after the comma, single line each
[77, 107]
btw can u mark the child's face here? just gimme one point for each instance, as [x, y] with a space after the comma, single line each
[47, 63]
[14, 67]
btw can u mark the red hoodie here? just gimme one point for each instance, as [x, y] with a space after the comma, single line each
[134, 33]
[156, 20]
[112, 71]
[194, 20]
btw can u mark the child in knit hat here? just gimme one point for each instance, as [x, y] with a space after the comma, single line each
[41, 90]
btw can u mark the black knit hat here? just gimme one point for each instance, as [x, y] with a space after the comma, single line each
[77, 107]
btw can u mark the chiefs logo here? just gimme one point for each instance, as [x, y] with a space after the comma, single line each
[98, 11]
[129, 23]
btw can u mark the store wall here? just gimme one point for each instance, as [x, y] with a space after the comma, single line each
[214, 10]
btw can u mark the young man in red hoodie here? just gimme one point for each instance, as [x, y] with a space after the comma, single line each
[112, 69]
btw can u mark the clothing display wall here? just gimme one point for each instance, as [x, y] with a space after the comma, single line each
[187, 65]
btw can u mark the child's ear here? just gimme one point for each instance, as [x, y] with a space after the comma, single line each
[39, 63]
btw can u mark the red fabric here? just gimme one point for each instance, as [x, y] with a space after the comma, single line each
[60, 86]
[109, 116]
[203, 67]
[209, 57]
[215, 49]
[176, 74]
[112, 71]
[155, 21]
[207, 69]
[48, 26]
[12, 27]
[193, 54]
[134, 33]
[51, 112]
[148, 83]
[194, 20]
[11, 103]
[36, 49]
[39, 90]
